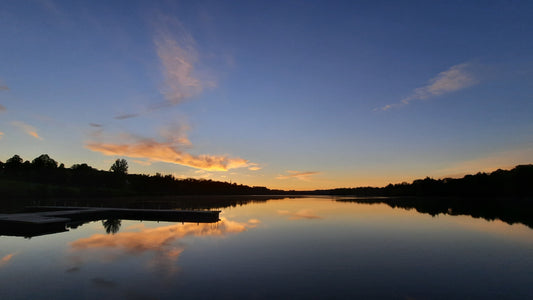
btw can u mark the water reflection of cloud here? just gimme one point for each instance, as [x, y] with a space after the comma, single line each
[157, 238]
[162, 241]
[138, 226]
[253, 222]
[301, 214]
[6, 259]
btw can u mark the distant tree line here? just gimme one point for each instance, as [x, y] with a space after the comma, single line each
[516, 182]
[45, 177]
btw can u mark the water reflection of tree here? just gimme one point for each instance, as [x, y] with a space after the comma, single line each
[508, 210]
[112, 226]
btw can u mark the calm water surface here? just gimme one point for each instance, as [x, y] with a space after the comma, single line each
[291, 248]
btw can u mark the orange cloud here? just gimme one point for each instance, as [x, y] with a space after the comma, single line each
[1, 135]
[168, 152]
[27, 129]
[254, 167]
[297, 174]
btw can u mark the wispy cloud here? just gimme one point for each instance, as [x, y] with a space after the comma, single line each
[27, 129]
[254, 167]
[95, 125]
[1, 135]
[126, 116]
[172, 150]
[2, 108]
[297, 175]
[178, 58]
[455, 78]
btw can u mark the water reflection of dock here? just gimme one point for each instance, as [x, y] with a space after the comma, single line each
[53, 219]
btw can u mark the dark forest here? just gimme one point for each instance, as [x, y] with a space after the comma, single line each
[44, 177]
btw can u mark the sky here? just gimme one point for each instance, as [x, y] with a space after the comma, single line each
[284, 94]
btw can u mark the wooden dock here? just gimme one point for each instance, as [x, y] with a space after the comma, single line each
[52, 219]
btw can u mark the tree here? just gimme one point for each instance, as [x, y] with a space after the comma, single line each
[14, 162]
[44, 162]
[120, 166]
[82, 167]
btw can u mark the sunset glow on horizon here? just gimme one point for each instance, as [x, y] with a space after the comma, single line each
[295, 95]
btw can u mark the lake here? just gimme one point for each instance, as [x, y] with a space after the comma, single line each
[305, 248]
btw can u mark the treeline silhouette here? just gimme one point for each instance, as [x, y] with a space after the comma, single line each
[44, 177]
[517, 182]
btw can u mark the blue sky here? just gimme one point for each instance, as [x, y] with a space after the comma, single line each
[284, 94]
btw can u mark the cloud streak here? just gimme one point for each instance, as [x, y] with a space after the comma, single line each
[297, 175]
[167, 152]
[455, 78]
[170, 151]
[28, 129]
[126, 116]
[177, 61]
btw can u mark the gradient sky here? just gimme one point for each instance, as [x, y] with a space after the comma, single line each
[283, 94]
